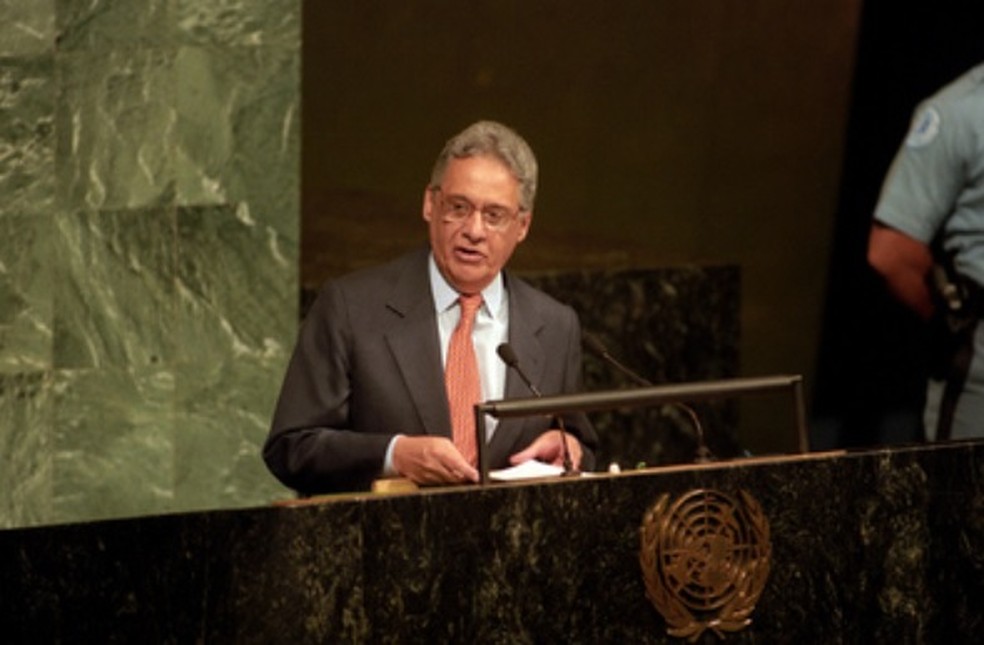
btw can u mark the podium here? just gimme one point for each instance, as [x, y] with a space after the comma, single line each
[876, 546]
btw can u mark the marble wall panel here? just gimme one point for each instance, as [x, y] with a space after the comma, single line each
[234, 23]
[234, 325]
[669, 325]
[25, 449]
[26, 306]
[149, 154]
[108, 24]
[222, 418]
[232, 274]
[237, 132]
[187, 123]
[114, 290]
[28, 27]
[27, 142]
[114, 123]
[112, 443]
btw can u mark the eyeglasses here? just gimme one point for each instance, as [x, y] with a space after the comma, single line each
[455, 209]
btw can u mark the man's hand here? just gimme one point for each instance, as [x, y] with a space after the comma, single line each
[431, 460]
[547, 448]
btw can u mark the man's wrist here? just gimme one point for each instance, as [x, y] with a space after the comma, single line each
[388, 469]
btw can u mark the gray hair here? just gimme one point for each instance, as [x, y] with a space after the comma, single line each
[489, 138]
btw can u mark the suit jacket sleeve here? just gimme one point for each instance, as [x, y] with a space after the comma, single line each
[311, 447]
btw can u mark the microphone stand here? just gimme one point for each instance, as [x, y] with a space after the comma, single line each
[508, 356]
[703, 454]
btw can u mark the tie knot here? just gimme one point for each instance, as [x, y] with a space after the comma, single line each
[469, 305]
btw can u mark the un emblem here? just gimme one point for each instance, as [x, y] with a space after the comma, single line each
[705, 559]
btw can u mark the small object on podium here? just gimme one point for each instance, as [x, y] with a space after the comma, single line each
[393, 485]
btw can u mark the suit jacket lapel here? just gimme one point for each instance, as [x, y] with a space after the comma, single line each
[525, 324]
[415, 345]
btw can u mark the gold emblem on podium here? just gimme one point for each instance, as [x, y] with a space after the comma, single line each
[705, 559]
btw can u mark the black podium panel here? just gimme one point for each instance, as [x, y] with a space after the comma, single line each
[881, 546]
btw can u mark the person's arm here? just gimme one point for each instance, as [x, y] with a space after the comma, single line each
[927, 177]
[548, 449]
[431, 460]
[905, 264]
[314, 447]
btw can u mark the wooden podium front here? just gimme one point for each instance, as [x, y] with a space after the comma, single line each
[879, 546]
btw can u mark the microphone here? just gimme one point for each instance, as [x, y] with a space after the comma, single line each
[596, 347]
[508, 356]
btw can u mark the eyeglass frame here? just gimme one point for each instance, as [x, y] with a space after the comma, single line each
[494, 217]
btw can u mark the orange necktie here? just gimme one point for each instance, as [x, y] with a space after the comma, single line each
[462, 379]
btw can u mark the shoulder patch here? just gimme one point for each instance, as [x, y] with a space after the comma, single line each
[924, 129]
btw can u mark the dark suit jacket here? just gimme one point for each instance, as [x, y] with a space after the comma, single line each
[367, 366]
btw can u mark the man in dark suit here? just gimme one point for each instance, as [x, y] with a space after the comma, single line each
[365, 394]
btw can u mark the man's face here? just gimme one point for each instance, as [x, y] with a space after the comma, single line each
[470, 248]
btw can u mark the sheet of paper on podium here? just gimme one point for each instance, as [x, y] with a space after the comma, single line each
[531, 469]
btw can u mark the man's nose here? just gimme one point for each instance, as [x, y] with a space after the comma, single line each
[474, 225]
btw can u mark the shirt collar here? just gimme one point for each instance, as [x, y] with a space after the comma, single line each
[446, 296]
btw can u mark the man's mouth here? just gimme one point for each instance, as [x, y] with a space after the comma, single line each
[466, 254]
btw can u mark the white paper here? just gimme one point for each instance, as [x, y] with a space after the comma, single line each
[531, 469]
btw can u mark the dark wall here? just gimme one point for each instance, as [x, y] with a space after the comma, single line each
[872, 358]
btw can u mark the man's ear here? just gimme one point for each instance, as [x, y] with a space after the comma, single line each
[525, 222]
[428, 206]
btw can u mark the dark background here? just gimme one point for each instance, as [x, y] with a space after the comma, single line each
[904, 55]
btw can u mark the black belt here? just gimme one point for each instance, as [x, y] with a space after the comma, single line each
[956, 376]
[965, 308]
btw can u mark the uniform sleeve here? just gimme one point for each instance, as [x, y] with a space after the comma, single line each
[926, 176]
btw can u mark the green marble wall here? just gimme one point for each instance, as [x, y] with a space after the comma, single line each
[149, 178]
